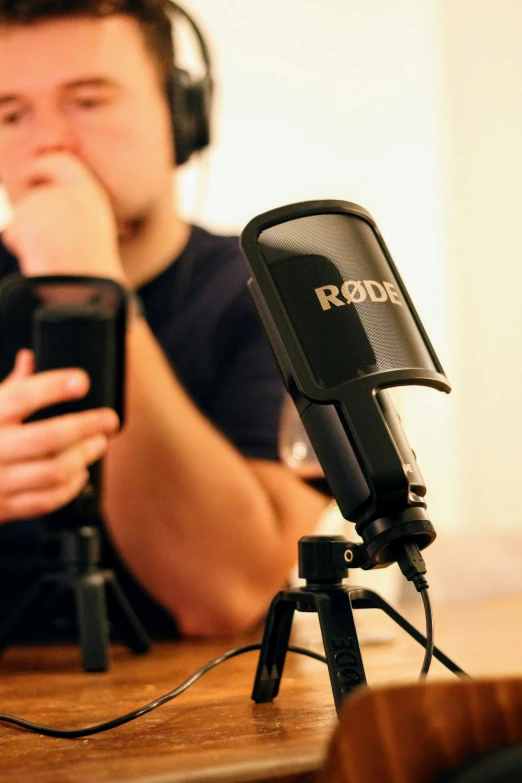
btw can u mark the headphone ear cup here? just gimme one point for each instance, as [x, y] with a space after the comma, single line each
[189, 103]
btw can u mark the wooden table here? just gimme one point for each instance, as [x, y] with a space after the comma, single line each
[214, 732]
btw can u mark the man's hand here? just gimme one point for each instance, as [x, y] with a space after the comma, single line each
[63, 222]
[43, 465]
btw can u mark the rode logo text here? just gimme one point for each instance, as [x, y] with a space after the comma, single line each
[356, 291]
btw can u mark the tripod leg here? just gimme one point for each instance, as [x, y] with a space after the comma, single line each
[92, 621]
[273, 648]
[341, 644]
[133, 633]
[362, 598]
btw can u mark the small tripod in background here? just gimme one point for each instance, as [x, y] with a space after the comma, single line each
[76, 529]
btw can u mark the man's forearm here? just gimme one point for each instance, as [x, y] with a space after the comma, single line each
[208, 533]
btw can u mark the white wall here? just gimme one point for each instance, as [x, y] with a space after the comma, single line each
[482, 59]
[340, 100]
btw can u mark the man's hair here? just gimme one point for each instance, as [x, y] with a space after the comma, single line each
[152, 17]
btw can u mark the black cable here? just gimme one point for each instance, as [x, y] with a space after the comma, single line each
[48, 731]
[430, 635]
[412, 565]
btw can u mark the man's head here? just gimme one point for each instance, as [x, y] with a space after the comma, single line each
[152, 16]
[88, 77]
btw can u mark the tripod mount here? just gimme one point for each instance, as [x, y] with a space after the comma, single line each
[323, 562]
[76, 528]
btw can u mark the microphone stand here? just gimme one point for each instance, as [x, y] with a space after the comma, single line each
[76, 528]
[323, 563]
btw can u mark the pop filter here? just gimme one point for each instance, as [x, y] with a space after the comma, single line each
[343, 329]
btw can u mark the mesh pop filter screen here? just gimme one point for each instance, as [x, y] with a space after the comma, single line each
[342, 298]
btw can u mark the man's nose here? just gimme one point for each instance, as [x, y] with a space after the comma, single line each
[53, 133]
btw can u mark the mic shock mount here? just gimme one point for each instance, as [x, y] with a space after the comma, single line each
[323, 563]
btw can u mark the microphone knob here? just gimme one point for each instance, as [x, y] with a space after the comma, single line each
[383, 535]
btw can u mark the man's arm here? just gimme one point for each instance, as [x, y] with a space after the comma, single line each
[211, 535]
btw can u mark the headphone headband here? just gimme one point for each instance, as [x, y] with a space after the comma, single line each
[177, 9]
[190, 99]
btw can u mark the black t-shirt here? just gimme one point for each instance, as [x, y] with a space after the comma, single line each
[200, 312]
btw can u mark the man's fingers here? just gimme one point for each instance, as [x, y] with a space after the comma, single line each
[40, 473]
[24, 364]
[55, 168]
[21, 397]
[62, 170]
[41, 502]
[52, 472]
[51, 436]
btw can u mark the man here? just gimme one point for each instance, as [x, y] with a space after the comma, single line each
[201, 515]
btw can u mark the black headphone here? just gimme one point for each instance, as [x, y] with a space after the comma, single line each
[190, 99]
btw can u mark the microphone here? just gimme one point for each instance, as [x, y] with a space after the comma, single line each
[69, 321]
[343, 330]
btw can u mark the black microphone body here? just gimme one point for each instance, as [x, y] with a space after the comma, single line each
[343, 329]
